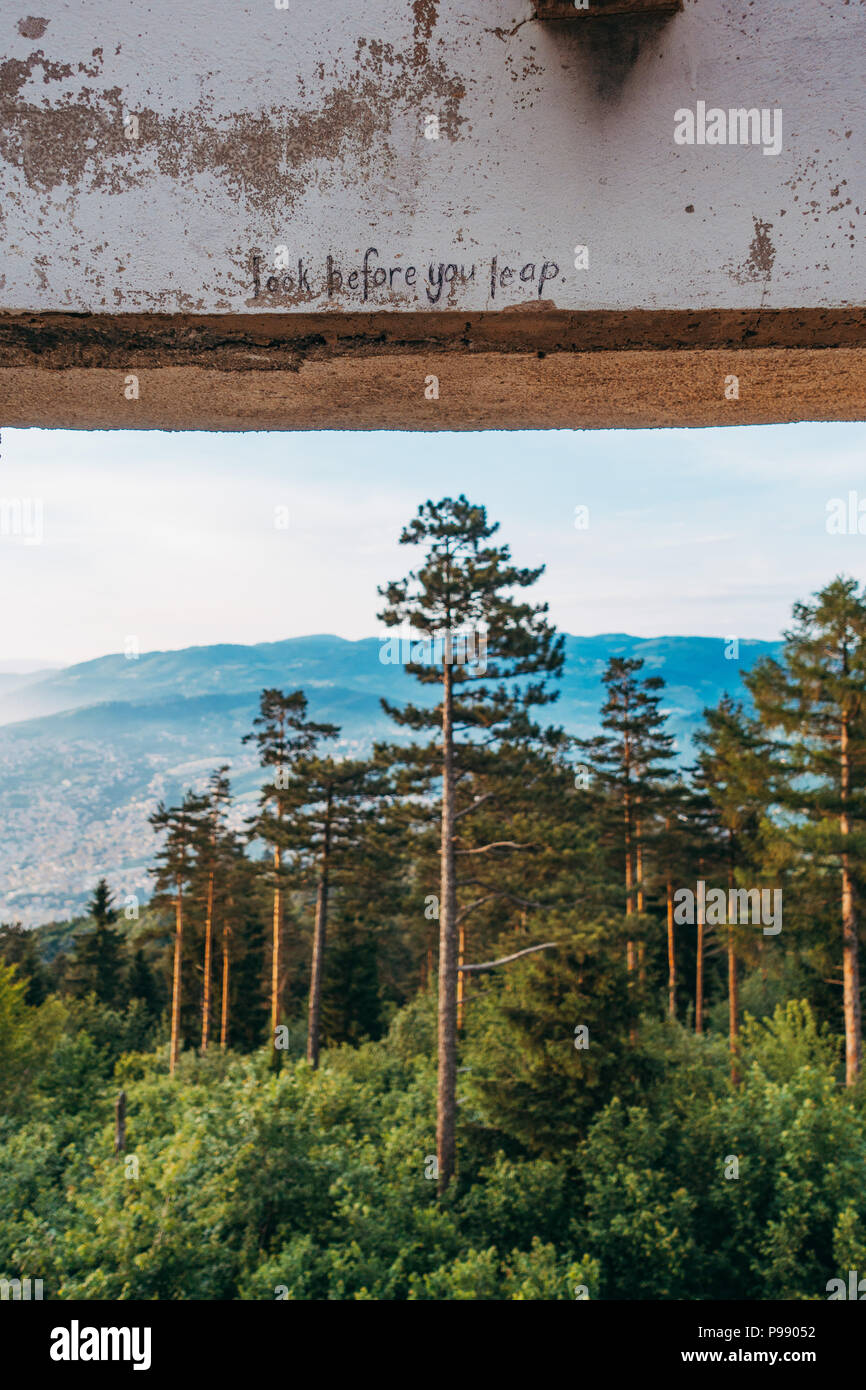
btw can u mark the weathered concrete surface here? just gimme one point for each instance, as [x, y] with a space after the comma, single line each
[284, 342]
[153, 160]
[487, 390]
[305, 127]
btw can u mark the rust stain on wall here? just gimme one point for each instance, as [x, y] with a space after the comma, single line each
[32, 27]
[758, 265]
[425, 12]
[820, 192]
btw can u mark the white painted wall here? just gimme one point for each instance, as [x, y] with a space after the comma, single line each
[305, 127]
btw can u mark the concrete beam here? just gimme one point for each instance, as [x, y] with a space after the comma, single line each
[540, 369]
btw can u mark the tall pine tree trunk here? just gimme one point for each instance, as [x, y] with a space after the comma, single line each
[275, 949]
[120, 1123]
[224, 1005]
[175, 990]
[672, 960]
[733, 1007]
[850, 954]
[428, 968]
[208, 967]
[446, 1095]
[699, 982]
[733, 981]
[629, 899]
[461, 977]
[319, 936]
[641, 946]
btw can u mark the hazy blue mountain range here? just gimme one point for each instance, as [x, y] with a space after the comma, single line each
[86, 751]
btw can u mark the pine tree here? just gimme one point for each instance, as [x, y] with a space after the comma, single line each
[351, 1009]
[245, 988]
[548, 1049]
[329, 804]
[18, 946]
[141, 984]
[212, 852]
[98, 964]
[481, 645]
[284, 734]
[676, 854]
[815, 699]
[181, 826]
[632, 761]
[732, 775]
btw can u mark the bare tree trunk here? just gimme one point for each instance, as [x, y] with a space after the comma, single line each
[672, 960]
[733, 982]
[630, 957]
[208, 966]
[120, 1123]
[446, 1095]
[763, 961]
[638, 865]
[461, 976]
[629, 899]
[733, 1008]
[175, 990]
[428, 968]
[275, 949]
[641, 946]
[850, 952]
[224, 1003]
[319, 936]
[699, 983]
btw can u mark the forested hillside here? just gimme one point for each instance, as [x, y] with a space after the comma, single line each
[500, 1010]
[123, 732]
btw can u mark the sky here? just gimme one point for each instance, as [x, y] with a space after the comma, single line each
[178, 539]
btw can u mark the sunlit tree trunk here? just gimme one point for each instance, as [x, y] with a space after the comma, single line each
[629, 897]
[699, 982]
[733, 983]
[275, 949]
[319, 937]
[224, 1003]
[850, 952]
[208, 952]
[175, 991]
[446, 1097]
[641, 948]
[461, 977]
[672, 961]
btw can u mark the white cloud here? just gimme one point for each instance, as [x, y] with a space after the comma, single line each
[171, 537]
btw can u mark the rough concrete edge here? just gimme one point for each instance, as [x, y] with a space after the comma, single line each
[284, 341]
[602, 390]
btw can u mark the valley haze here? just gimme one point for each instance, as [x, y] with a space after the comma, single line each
[87, 751]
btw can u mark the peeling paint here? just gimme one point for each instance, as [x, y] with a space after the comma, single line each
[32, 27]
[758, 265]
[269, 128]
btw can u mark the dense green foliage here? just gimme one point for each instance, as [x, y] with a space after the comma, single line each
[238, 1183]
[654, 1106]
